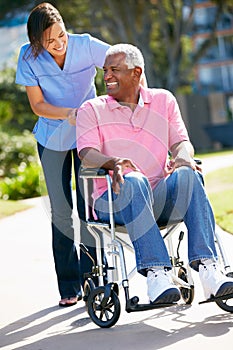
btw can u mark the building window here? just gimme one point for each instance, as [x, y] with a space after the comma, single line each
[215, 79]
[204, 19]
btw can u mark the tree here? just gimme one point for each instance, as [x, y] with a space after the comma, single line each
[160, 28]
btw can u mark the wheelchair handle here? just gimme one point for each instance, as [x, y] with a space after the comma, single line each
[93, 172]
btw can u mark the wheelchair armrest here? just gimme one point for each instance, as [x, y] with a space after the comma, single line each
[101, 172]
[93, 172]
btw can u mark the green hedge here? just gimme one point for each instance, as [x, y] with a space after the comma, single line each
[19, 167]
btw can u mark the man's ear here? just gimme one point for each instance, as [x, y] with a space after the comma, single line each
[138, 72]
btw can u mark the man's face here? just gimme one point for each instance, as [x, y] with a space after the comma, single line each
[119, 79]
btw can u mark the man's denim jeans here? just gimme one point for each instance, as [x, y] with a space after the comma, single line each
[180, 196]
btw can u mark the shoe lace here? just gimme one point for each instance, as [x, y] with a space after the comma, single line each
[213, 268]
[157, 271]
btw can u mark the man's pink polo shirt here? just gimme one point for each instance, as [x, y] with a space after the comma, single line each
[144, 136]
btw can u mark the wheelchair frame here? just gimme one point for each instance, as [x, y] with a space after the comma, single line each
[102, 301]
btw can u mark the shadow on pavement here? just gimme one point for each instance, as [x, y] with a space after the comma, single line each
[134, 335]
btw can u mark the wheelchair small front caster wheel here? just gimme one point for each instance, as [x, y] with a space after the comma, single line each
[226, 305]
[104, 311]
[186, 293]
[89, 285]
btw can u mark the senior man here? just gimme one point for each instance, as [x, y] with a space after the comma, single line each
[130, 132]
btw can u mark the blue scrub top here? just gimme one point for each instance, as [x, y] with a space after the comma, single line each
[67, 87]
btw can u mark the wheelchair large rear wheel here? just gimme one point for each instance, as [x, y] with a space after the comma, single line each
[186, 293]
[103, 311]
[226, 305]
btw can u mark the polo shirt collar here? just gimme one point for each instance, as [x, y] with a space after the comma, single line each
[113, 104]
[144, 97]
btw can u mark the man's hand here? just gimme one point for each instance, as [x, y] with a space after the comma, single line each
[178, 162]
[182, 155]
[92, 158]
[118, 171]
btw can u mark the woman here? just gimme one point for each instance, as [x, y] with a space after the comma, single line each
[58, 71]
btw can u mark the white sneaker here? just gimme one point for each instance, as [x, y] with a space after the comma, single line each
[214, 282]
[160, 288]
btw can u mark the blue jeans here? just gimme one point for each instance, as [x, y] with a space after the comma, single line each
[181, 196]
[57, 168]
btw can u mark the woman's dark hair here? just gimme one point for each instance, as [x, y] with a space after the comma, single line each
[41, 18]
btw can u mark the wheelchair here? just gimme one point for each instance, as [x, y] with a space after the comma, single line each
[102, 301]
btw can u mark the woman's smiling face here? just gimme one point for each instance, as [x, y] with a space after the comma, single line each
[55, 39]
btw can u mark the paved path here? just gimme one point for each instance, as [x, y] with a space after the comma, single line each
[30, 318]
[217, 162]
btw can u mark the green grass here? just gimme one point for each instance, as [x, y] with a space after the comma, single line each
[219, 186]
[11, 207]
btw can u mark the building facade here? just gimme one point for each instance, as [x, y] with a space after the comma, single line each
[211, 105]
[214, 71]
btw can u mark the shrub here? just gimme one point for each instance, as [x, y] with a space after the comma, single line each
[16, 151]
[24, 185]
[19, 167]
[15, 110]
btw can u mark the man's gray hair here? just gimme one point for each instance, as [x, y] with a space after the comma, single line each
[133, 56]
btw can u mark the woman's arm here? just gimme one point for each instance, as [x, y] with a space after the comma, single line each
[42, 108]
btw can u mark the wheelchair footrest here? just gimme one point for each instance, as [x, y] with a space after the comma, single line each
[212, 298]
[130, 307]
